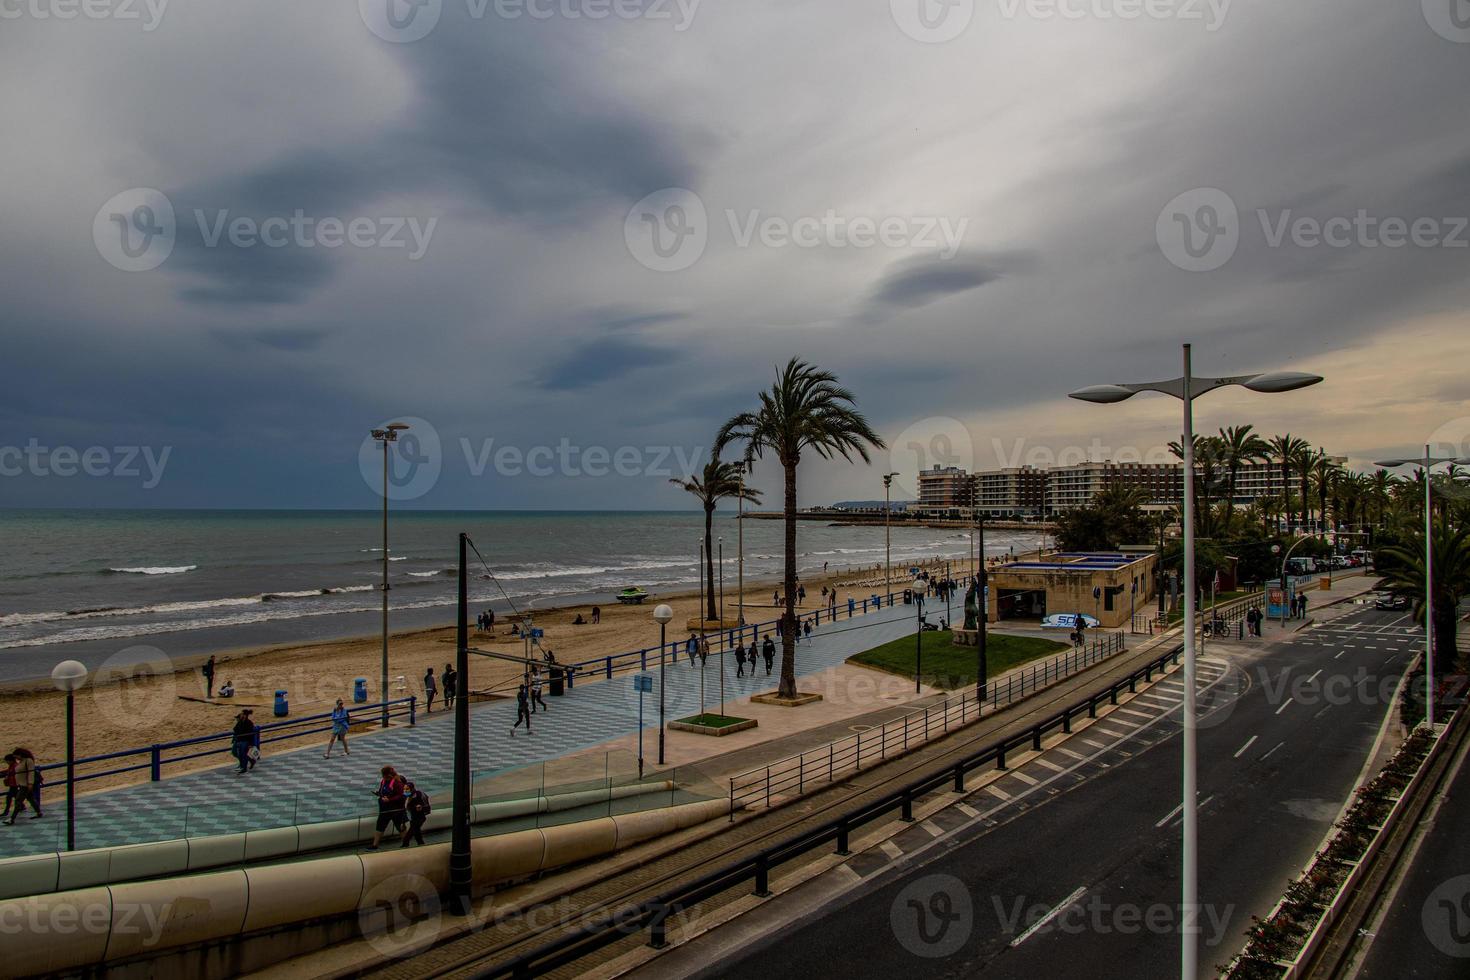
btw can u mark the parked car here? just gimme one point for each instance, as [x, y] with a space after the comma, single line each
[1392, 601]
[1067, 621]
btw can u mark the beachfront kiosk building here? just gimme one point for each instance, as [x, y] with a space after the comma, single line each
[1109, 586]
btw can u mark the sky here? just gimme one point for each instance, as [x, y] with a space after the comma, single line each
[567, 239]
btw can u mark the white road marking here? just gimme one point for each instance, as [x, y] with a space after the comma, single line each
[1169, 816]
[1338, 654]
[1249, 742]
[891, 849]
[967, 809]
[1028, 780]
[1065, 904]
[1070, 754]
[1314, 677]
[999, 793]
[1286, 704]
[1048, 764]
[1269, 754]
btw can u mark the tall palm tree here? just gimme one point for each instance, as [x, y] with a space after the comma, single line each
[1381, 492]
[1325, 473]
[719, 481]
[1208, 459]
[1239, 445]
[1286, 448]
[1304, 460]
[805, 409]
[1402, 568]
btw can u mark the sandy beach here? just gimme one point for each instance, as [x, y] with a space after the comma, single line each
[129, 712]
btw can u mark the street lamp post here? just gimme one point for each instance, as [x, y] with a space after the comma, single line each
[661, 615]
[461, 867]
[68, 676]
[1427, 463]
[918, 634]
[887, 538]
[722, 625]
[745, 465]
[387, 436]
[1187, 389]
[982, 682]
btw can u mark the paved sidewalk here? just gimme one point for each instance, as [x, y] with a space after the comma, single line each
[302, 787]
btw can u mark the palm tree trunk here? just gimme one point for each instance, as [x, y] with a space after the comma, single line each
[709, 564]
[788, 618]
[1286, 492]
[1446, 650]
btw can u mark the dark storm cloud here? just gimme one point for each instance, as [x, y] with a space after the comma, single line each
[607, 349]
[919, 282]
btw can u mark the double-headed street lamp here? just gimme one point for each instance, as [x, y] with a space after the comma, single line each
[387, 436]
[1427, 463]
[1187, 389]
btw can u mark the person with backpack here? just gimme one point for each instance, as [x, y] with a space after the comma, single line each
[430, 689]
[390, 794]
[523, 711]
[416, 804]
[241, 740]
[341, 722]
[768, 650]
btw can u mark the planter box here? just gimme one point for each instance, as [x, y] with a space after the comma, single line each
[780, 702]
[718, 731]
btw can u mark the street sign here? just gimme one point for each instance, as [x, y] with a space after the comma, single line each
[643, 683]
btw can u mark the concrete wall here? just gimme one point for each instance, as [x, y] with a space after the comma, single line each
[226, 923]
[1070, 591]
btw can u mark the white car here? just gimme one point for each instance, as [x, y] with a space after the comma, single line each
[1068, 621]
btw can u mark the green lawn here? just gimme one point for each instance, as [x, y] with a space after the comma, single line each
[948, 666]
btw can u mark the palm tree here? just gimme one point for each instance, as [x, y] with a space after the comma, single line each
[1402, 568]
[1381, 492]
[1239, 445]
[720, 480]
[1286, 449]
[1208, 457]
[1325, 473]
[1304, 460]
[804, 409]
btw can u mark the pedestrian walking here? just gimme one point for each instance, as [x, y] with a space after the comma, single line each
[417, 806]
[27, 784]
[341, 722]
[807, 629]
[740, 660]
[523, 711]
[800, 595]
[703, 651]
[390, 794]
[596, 615]
[241, 741]
[536, 698]
[691, 647]
[448, 682]
[208, 671]
[768, 650]
[11, 764]
[431, 688]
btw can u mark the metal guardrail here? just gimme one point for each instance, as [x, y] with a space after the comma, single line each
[278, 731]
[846, 755]
[653, 914]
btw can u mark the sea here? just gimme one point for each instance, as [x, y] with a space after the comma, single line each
[111, 586]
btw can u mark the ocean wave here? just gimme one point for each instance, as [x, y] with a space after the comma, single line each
[151, 570]
[170, 608]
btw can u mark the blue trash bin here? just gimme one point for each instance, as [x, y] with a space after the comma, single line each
[283, 707]
[359, 691]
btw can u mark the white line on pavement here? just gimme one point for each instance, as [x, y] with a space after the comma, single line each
[1065, 903]
[1249, 742]
[1269, 754]
[1314, 677]
[1284, 705]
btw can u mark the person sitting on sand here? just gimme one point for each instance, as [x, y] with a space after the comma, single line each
[579, 621]
[227, 689]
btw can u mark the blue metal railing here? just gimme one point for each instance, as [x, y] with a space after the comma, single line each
[155, 757]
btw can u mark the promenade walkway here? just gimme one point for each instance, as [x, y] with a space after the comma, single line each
[298, 787]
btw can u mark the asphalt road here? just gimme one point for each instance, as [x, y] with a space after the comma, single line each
[1083, 881]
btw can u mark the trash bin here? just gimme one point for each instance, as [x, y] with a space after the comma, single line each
[359, 691]
[283, 708]
[1325, 584]
[571, 673]
[908, 597]
[558, 688]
